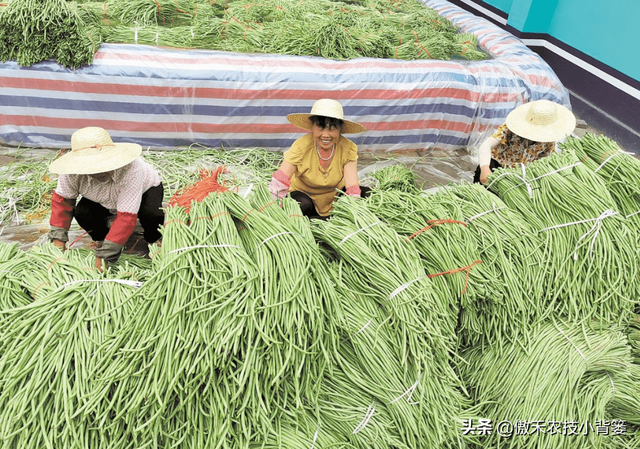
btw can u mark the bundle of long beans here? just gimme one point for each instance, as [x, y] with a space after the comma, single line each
[385, 269]
[179, 37]
[371, 359]
[181, 370]
[348, 410]
[47, 347]
[626, 402]
[152, 12]
[285, 211]
[512, 260]
[590, 249]
[11, 292]
[330, 29]
[467, 46]
[562, 379]
[619, 170]
[435, 224]
[32, 31]
[395, 177]
[296, 310]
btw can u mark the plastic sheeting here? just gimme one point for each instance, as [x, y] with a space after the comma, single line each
[164, 98]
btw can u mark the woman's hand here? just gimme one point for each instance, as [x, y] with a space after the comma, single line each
[351, 179]
[281, 180]
[485, 171]
[59, 243]
[99, 264]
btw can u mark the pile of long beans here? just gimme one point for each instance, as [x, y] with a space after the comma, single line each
[11, 292]
[379, 265]
[36, 30]
[181, 370]
[619, 170]
[395, 177]
[566, 373]
[296, 308]
[285, 211]
[591, 252]
[449, 253]
[47, 347]
[512, 260]
[330, 29]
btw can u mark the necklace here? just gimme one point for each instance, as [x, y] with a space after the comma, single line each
[330, 156]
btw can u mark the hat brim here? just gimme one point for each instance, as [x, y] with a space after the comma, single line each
[553, 132]
[96, 160]
[303, 121]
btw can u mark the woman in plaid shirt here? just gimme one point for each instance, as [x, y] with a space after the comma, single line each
[116, 188]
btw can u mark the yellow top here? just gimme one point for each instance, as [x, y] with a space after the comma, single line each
[311, 178]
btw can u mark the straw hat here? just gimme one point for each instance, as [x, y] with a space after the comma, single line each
[541, 121]
[93, 151]
[326, 108]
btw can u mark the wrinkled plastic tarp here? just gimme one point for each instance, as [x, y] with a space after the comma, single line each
[165, 98]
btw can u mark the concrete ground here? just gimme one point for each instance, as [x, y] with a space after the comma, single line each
[432, 169]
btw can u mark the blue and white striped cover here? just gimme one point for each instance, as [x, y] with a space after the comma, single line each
[165, 98]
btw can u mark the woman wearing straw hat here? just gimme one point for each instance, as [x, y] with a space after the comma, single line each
[113, 181]
[321, 161]
[530, 133]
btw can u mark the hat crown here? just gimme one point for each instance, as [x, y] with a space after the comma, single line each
[328, 108]
[542, 112]
[90, 137]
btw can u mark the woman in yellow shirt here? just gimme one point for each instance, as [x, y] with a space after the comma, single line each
[321, 161]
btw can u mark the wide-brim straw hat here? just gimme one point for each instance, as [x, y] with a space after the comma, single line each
[541, 121]
[326, 108]
[93, 151]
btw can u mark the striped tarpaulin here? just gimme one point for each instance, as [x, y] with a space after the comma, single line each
[166, 98]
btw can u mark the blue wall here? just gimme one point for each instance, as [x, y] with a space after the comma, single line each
[604, 30]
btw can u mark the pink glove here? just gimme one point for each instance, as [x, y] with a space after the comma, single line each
[354, 191]
[279, 185]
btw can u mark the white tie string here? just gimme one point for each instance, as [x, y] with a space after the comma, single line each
[595, 229]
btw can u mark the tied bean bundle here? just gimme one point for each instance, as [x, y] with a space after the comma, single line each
[620, 171]
[180, 371]
[566, 373]
[11, 292]
[590, 251]
[449, 252]
[372, 361]
[47, 347]
[510, 250]
[285, 211]
[330, 29]
[295, 312]
[395, 177]
[626, 402]
[32, 31]
[388, 271]
[152, 12]
[352, 414]
[179, 37]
